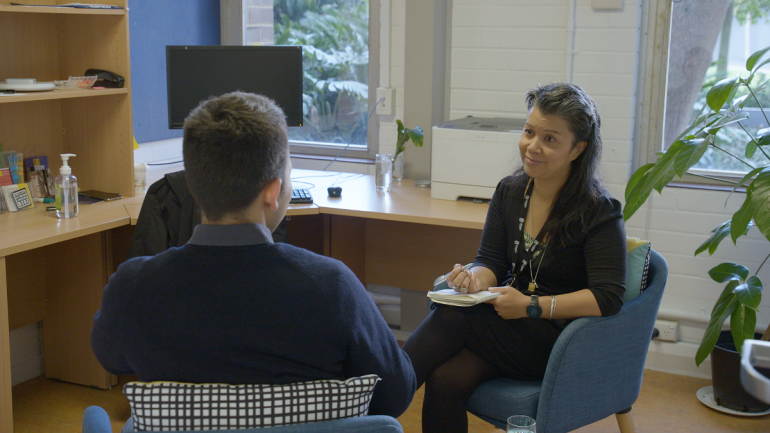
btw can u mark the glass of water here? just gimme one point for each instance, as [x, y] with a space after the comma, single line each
[521, 424]
[383, 171]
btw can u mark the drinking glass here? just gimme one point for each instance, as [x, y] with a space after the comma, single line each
[383, 171]
[521, 424]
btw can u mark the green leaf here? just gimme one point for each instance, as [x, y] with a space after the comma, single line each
[726, 292]
[757, 67]
[748, 176]
[648, 177]
[755, 283]
[750, 293]
[751, 148]
[635, 178]
[699, 123]
[636, 199]
[763, 137]
[691, 153]
[403, 136]
[740, 102]
[663, 172]
[741, 221]
[728, 271]
[726, 119]
[752, 60]
[416, 135]
[723, 308]
[743, 321]
[718, 234]
[760, 202]
[718, 94]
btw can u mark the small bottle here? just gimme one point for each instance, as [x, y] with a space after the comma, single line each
[66, 186]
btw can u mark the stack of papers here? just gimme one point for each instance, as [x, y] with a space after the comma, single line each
[457, 299]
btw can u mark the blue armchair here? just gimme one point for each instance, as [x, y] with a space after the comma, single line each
[96, 420]
[595, 369]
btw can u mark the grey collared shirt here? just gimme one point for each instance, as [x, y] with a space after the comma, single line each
[230, 235]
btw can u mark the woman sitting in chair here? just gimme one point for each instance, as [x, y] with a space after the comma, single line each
[553, 245]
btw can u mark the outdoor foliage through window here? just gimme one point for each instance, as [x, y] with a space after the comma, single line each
[710, 41]
[334, 35]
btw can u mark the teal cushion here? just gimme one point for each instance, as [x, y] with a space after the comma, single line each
[638, 265]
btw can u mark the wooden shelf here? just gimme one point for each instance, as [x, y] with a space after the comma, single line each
[60, 94]
[62, 11]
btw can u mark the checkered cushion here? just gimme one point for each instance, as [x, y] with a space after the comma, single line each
[169, 406]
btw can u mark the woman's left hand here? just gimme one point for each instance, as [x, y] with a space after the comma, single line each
[512, 304]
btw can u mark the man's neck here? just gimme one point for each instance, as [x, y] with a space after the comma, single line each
[249, 215]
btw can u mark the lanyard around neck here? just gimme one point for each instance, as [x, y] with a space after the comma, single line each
[522, 255]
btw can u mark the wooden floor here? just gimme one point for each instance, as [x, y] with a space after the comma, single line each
[667, 403]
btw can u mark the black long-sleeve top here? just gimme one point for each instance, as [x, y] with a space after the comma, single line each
[595, 259]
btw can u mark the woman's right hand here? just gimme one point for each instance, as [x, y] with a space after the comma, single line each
[463, 281]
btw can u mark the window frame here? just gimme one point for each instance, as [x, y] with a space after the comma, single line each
[650, 110]
[353, 153]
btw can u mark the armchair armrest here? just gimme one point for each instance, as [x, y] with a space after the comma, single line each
[603, 357]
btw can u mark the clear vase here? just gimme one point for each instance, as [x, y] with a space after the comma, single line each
[398, 167]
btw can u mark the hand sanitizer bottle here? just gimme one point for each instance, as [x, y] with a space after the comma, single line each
[66, 186]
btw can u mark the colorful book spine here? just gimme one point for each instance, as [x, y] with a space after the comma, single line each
[36, 163]
[16, 165]
[5, 177]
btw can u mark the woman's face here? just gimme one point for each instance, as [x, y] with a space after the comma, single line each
[546, 147]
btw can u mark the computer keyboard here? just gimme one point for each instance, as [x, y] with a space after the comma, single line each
[300, 195]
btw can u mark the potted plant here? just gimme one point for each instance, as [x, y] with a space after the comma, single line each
[404, 134]
[740, 299]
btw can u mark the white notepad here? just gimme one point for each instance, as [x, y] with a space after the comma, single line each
[450, 297]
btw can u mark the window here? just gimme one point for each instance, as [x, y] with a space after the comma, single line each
[335, 35]
[710, 40]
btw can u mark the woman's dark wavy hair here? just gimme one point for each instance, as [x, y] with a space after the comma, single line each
[583, 187]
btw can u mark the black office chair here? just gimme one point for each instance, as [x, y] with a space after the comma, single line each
[168, 216]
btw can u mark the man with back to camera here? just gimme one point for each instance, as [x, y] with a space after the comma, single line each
[231, 306]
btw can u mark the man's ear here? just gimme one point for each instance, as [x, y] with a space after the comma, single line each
[577, 150]
[272, 193]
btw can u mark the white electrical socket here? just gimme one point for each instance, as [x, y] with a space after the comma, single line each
[668, 330]
[386, 107]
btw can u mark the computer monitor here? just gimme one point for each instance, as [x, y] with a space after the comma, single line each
[195, 73]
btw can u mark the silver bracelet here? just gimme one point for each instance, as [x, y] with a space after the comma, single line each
[553, 306]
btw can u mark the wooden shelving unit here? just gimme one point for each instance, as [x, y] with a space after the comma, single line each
[57, 10]
[60, 94]
[54, 43]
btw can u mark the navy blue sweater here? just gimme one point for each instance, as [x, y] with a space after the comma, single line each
[250, 313]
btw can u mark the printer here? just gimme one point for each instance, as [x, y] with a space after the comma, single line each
[470, 156]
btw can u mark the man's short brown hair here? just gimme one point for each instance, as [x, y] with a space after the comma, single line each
[234, 145]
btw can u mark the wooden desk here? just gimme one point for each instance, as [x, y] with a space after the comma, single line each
[54, 270]
[401, 238]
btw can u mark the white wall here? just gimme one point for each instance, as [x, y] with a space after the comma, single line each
[502, 48]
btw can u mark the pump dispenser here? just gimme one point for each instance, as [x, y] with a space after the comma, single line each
[66, 190]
